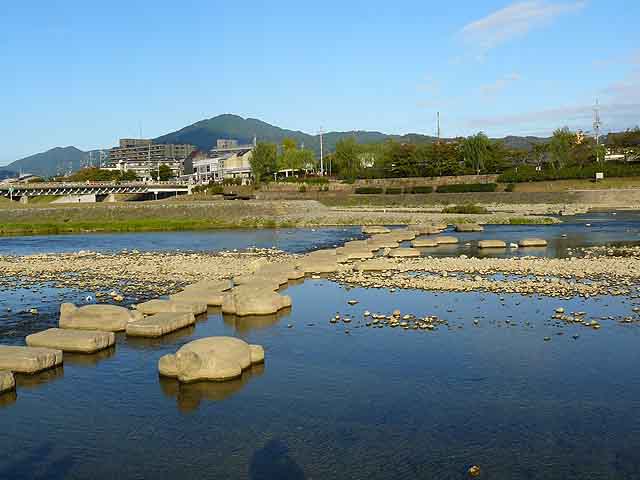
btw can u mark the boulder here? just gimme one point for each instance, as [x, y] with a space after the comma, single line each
[372, 230]
[405, 252]
[469, 227]
[254, 299]
[446, 240]
[79, 341]
[492, 244]
[7, 382]
[28, 359]
[160, 324]
[212, 358]
[532, 242]
[424, 242]
[107, 318]
[161, 306]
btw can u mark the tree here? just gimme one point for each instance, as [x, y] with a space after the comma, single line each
[346, 158]
[476, 151]
[288, 144]
[264, 161]
[163, 171]
[560, 146]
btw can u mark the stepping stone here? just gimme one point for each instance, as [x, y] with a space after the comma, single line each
[405, 252]
[7, 382]
[532, 242]
[212, 358]
[424, 242]
[106, 318]
[161, 306]
[79, 341]
[193, 295]
[446, 240]
[160, 324]
[28, 359]
[492, 244]
[469, 227]
[253, 300]
[374, 229]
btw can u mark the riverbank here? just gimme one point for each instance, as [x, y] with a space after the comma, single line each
[219, 214]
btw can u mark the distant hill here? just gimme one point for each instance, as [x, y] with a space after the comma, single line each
[52, 162]
[205, 133]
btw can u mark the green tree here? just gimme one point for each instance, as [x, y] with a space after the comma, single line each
[264, 161]
[476, 150]
[289, 144]
[162, 173]
[346, 161]
[560, 147]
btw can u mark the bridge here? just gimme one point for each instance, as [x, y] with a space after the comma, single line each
[20, 190]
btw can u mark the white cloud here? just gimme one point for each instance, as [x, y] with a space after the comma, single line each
[499, 85]
[514, 20]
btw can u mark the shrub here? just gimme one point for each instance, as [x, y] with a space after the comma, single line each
[308, 180]
[467, 208]
[510, 188]
[467, 187]
[393, 191]
[528, 173]
[302, 189]
[368, 190]
[421, 189]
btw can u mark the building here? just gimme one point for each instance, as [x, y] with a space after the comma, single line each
[144, 157]
[229, 160]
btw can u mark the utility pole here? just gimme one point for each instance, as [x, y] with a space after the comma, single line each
[321, 155]
[438, 130]
[596, 127]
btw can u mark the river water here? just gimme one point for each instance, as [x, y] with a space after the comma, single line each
[339, 400]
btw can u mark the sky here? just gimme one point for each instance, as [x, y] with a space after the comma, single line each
[88, 73]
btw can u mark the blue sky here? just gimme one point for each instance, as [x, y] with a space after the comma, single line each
[87, 73]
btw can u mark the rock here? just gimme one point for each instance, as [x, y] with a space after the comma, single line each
[424, 242]
[7, 382]
[107, 318]
[491, 244]
[469, 227]
[371, 230]
[79, 341]
[513, 245]
[405, 252]
[425, 229]
[196, 296]
[161, 306]
[532, 242]
[33, 311]
[474, 471]
[212, 358]
[446, 240]
[352, 302]
[28, 359]
[160, 324]
[559, 310]
[374, 265]
[245, 300]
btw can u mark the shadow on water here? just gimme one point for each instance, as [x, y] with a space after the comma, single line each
[39, 463]
[273, 461]
[190, 395]
[8, 398]
[142, 343]
[89, 360]
[38, 379]
[254, 322]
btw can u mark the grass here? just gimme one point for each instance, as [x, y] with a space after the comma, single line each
[467, 208]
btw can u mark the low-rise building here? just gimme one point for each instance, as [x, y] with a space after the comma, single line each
[229, 160]
[144, 157]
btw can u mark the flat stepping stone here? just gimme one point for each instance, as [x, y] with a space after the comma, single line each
[106, 318]
[7, 382]
[213, 358]
[405, 252]
[193, 295]
[469, 227]
[160, 324]
[161, 306]
[532, 242]
[79, 341]
[28, 359]
[446, 240]
[374, 229]
[424, 242]
[492, 244]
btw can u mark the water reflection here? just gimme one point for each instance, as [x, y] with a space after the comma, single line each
[41, 462]
[273, 461]
[189, 395]
[89, 360]
[254, 322]
[38, 379]
[8, 398]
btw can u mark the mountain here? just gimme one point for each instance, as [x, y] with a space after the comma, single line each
[205, 133]
[52, 162]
